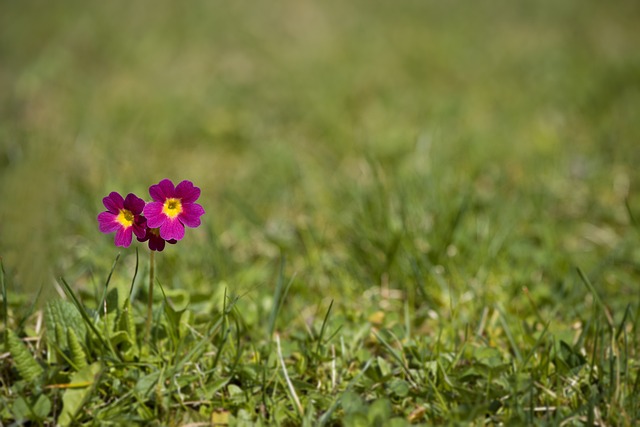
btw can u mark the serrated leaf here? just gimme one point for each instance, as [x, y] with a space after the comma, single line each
[27, 366]
[127, 323]
[62, 314]
[60, 335]
[81, 387]
[78, 356]
[120, 337]
[60, 343]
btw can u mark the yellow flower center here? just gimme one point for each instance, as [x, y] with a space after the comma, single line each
[172, 208]
[125, 217]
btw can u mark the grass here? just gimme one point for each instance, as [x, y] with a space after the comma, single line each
[416, 214]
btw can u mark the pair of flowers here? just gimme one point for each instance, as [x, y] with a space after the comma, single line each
[159, 221]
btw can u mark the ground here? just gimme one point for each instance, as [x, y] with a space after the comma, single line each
[415, 213]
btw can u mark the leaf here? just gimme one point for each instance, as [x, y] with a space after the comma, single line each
[62, 314]
[188, 318]
[32, 408]
[399, 388]
[41, 407]
[352, 403]
[570, 356]
[215, 386]
[27, 366]
[385, 368]
[146, 383]
[488, 356]
[75, 397]
[356, 419]
[127, 325]
[236, 394]
[379, 412]
[21, 410]
[78, 356]
[119, 338]
[85, 316]
[127, 322]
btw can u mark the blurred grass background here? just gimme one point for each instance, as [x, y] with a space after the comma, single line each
[457, 148]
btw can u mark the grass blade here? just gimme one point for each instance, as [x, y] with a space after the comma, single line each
[106, 286]
[292, 390]
[85, 316]
[279, 296]
[596, 297]
[135, 273]
[5, 304]
[322, 329]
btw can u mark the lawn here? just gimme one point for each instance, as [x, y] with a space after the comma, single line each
[417, 212]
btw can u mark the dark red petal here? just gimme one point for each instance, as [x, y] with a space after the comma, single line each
[139, 230]
[113, 202]
[187, 192]
[156, 243]
[134, 204]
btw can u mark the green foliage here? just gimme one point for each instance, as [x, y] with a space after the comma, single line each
[77, 354]
[61, 318]
[28, 367]
[433, 206]
[79, 390]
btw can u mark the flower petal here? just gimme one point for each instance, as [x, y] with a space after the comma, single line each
[134, 204]
[162, 191]
[140, 230]
[123, 237]
[187, 192]
[172, 229]
[156, 243]
[113, 202]
[107, 222]
[190, 215]
[153, 212]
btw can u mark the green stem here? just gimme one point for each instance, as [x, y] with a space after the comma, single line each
[150, 305]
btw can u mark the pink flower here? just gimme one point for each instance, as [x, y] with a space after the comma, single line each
[172, 208]
[123, 217]
[156, 243]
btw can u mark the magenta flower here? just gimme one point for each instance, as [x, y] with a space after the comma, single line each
[123, 217]
[156, 243]
[172, 208]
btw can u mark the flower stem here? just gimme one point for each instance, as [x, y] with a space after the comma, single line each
[150, 306]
